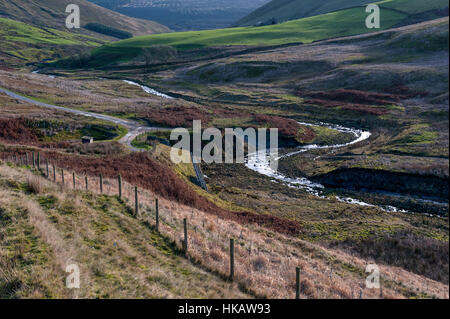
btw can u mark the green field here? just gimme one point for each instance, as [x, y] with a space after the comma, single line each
[51, 14]
[21, 42]
[285, 10]
[15, 31]
[331, 25]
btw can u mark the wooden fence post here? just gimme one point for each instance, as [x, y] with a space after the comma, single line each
[62, 175]
[297, 290]
[185, 243]
[27, 162]
[46, 166]
[74, 180]
[101, 184]
[39, 161]
[32, 158]
[120, 186]
[136, 201]
[157, 214]
[86, 181]
[231, 259]
[54, 173]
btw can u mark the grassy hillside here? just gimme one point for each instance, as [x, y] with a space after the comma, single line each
[45, 228]
[284, 10]
[51, 14]
[23, 43]
[345, 22]
[336, 24]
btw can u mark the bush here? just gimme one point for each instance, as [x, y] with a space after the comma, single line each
[34, 184]
[216, 255]
[18, 130]
[158, 54]
[259, 263]
[107, 30]
[177, 116]
[287, 127]
[77, 61]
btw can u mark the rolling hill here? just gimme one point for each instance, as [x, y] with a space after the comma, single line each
[186, 15]
[138, 263]
[51, 14]
[285, 10]
[34, 31]
[330, 25]
[23, 43]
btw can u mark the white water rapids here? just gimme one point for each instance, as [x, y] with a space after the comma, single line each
[148, 90]
[49, 75]
[260, 163]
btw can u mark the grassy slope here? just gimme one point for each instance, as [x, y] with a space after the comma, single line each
[45, 229]
[51, 13]
[31, 31]
[284, 10]
[20, 32]
[336, 24]
[23, 43]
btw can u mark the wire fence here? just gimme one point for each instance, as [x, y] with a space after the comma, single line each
[264, 266]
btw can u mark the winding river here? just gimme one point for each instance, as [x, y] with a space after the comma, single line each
[148, 90]
[258, 162]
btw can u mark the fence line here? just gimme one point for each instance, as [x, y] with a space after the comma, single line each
[148, 208]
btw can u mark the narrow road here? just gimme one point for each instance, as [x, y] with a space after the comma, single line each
[258, 162]
[134, 128]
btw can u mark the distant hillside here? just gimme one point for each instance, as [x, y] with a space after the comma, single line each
[185, 15]
[51, 14]
[284, 10]
[22, 43]
[325, 26]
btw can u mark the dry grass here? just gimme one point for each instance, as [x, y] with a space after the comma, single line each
[34, 184]
[101, 96]
[266, 261]
[144, 171]
[62, 252]
[118, 256]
